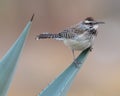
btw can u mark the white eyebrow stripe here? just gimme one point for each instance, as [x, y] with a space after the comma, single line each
[87, 21]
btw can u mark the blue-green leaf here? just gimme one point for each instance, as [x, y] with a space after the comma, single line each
[9, 61]
[60, 86]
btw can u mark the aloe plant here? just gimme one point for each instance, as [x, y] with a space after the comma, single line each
[9, 61]
[61, 85]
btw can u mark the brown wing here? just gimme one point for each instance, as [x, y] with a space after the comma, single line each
[71, 32]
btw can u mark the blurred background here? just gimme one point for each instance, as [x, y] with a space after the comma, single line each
[41, 61]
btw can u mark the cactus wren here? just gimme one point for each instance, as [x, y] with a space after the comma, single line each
[77, 37]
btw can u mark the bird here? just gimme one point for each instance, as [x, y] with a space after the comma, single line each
[77, 37]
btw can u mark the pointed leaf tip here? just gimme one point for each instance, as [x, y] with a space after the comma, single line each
[32, 17]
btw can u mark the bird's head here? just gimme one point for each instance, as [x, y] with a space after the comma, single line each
[90, 23]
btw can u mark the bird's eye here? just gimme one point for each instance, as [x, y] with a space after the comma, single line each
[90, 23]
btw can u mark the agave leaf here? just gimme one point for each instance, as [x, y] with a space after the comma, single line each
[61, 85]
[9, 61]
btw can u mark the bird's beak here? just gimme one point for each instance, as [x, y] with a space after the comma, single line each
[100, 22]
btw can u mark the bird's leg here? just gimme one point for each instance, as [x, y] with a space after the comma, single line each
[75, 61]
[73, 53]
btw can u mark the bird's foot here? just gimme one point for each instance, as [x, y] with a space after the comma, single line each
[77, 63]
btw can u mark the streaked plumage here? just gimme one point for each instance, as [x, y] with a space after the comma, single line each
[78, 37]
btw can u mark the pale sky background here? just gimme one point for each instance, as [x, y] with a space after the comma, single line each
[41, 61]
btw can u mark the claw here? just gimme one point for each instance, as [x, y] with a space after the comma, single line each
[77, 64]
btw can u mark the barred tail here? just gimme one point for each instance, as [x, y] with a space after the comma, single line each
[47, 36]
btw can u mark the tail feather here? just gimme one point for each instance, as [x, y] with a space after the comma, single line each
[47, 36]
